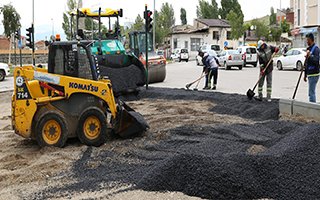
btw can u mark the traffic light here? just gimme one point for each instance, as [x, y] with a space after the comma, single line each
[30, 37]
[148, 18]
[17, 34]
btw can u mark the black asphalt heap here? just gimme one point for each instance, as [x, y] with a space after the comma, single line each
[210, 161]
[126, 72]
[230, 104]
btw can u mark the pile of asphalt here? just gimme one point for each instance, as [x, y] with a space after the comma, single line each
[229, 104]
[124, 79]
[210, 161]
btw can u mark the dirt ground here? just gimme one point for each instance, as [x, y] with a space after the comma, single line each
[26, 169]
[124, 169]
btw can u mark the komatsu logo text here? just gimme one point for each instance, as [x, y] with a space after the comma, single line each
[86, 87]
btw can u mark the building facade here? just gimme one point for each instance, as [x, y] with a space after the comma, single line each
[203, 31]
[306, 20]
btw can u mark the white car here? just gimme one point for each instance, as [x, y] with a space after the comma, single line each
[249, 54]
[184, 55]
[293, 59]
[175, 55]
[230, 58]
[210, 49]
[4, 71]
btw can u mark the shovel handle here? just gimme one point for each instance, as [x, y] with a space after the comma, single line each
[264, 70]
[298, 83]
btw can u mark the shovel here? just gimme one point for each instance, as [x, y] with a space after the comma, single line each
[196, 88]
[250, 93]
[299, 80]
[190, 84]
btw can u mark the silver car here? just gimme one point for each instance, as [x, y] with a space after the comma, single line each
[230, 58]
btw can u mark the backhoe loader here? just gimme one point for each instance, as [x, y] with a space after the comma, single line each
[69, 99]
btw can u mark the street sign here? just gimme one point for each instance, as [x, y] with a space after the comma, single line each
[226, 43]
[20, 45]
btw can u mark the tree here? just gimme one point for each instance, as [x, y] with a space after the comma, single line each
[165, 20]
[227, 6]
[66, 24]
[205, 10]
[285, 27]
[262, 30]
[236, 22]
[11, 20]
[275, 33]
[273, 17]
[11, 23]
[183, 16]
[231, 10]
[139, 23]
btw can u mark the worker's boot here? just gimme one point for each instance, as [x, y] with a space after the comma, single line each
[269, 97]
[259, 97]
[214, 87]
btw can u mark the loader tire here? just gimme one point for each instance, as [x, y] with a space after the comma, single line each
[51, 130]
[92, 128]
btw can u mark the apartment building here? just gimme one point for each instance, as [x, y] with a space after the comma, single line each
[306, 20]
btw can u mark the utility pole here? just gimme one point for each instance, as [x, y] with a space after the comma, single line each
[280, 23]
[154, 25]
[146, 31]
[32, 25]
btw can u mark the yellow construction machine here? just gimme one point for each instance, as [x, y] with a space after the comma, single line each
[69, 99]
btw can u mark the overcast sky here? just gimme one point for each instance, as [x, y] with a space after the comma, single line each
[49, 12]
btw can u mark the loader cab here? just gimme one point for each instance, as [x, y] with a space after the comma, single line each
[72, 59]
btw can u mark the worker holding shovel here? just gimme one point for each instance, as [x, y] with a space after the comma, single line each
[211, 65]
[312, 67]
[266, 53]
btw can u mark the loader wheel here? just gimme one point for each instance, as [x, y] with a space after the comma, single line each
[51, 130]
[92, 130]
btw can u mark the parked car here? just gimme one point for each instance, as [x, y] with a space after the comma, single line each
[293, 59]
[184, 55]
[230, 58]
[160, 52]
[175, 55]
[210, 49]
[4, 71]
[249, 55]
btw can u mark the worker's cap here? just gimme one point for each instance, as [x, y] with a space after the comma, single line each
[260, 43]
[310, 36]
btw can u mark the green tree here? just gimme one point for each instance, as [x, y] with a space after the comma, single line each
[273, 17]
[183, 16]
[231, 10]
[236, 23]
[11, 20]
[275, 33]
[66, 24]
[139, 24]
[285, 27]
[165, 20]
[229, 5]
[205, 10]
[262, 30]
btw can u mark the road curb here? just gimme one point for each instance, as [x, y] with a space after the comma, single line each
[295, 108]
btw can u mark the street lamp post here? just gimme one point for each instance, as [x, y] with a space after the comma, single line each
[280, 23]
[33, 56]
[52, 26]
[154, 25]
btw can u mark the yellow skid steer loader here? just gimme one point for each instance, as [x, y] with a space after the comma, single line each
[69, 99]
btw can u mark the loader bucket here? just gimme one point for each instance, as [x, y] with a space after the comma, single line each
[129, 122]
